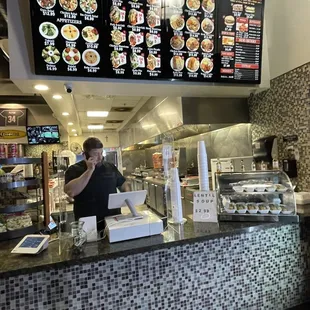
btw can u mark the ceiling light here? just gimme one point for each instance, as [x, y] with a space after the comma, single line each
[75, 135]
[65, 114]
[57, 97]
[73, 130]
[70, 124]
[95, 126]
[41, 87]
[97, 113]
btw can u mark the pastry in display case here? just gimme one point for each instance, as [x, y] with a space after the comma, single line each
[266, 196]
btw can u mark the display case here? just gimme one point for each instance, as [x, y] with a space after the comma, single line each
[23, 200]
[266, 196]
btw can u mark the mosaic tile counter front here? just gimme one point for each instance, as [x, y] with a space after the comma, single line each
[262, 270]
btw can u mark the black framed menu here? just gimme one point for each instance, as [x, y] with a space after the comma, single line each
[135, 42]
[192, 40]
[67, 37]
[240, 25]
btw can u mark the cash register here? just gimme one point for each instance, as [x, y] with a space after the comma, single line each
[134, 225]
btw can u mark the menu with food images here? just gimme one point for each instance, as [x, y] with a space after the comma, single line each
[240, 40]
[135, 43]
[66, 36]
[192, 39]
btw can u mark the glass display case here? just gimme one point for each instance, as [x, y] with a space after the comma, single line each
[266, 196]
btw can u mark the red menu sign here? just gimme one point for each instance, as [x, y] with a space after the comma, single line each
[240, 40]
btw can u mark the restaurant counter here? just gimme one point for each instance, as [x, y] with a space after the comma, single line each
[195, 266]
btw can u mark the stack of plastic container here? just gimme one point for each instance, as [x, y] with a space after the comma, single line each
[202, 159]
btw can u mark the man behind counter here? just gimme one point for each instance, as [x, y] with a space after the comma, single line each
[91, 181]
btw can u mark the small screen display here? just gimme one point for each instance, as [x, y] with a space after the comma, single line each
[31, 242]
[43, 135]
[52, 225]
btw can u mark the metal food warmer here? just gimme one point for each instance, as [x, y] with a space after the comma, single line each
[262, 196]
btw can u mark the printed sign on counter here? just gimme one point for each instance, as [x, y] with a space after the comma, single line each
[205, 207]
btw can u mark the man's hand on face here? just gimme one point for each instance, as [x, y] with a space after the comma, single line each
[91, 163]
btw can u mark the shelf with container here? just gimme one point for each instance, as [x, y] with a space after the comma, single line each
[23, 200]
[266, 196]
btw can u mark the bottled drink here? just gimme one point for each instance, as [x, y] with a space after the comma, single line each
[253, 166]
[242, 166]
[232, 168]
[218, 166]
[263, 166]
[275, 164]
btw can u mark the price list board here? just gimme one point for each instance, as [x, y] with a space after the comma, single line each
[190, 40]
[240, 40]
[135, 42]
[67, 36]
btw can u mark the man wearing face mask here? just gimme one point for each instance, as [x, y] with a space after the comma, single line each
[91, 181]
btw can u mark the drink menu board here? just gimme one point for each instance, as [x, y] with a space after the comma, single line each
[135, 29]
[191, 35]
[240, 40]
[66, 36]
[192, 40]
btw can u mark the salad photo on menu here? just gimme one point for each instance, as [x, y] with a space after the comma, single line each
[69, 5]
[89, 6]
[48, 30]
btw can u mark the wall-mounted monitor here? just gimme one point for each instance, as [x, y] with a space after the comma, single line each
[48, 134]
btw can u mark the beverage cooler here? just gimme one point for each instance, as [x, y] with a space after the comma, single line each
[266, 196]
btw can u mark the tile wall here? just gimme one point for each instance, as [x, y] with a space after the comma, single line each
[263, 270]
[285, 110]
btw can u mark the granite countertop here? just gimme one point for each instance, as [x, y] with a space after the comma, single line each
[178, 235]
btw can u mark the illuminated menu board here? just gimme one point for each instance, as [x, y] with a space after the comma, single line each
[135, 42]
[192, 40]
[240, 31]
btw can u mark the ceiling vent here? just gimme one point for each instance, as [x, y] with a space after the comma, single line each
[121, 109]
[114, 121]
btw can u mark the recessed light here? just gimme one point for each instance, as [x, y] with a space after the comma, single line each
[65, 114]
[95, 126]
[97, 113]
[70, 124]
[57, 97]
[41, 87]
[73, 130]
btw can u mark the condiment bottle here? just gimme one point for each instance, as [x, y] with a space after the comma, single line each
[242, 166]
[253, 166]
[232, 168]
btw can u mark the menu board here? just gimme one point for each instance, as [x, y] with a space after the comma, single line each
[135, 29]
[192, 40]
[191, 34]
[66, 36]
[240, 40]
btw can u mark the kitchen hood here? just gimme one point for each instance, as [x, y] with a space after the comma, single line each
[181, 118]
